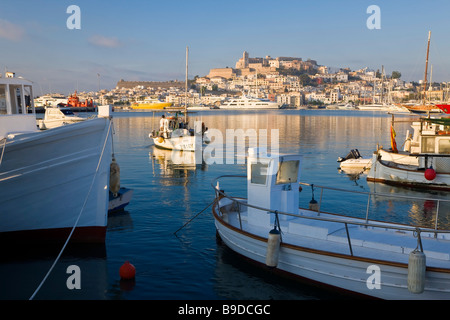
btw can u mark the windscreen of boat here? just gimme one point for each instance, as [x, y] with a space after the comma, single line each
[67, 112]
[259, 173]
[287, 171]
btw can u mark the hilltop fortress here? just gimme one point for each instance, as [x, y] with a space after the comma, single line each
[249, 66]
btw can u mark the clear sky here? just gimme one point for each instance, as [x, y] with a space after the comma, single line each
[146, 40]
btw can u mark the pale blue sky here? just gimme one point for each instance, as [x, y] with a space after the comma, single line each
[146, 40]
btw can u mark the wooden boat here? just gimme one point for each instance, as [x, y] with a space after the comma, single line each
[425, 107]
[424, 161]
[378, 259]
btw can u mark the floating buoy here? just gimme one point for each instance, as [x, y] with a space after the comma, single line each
[430, 174]
[114, 177]
[416, 271]
[127, 271]
[273, 248]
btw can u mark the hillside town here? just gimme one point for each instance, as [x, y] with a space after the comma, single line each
[289, 81]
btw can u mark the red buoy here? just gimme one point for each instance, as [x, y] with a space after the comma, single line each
[430, 174]
[127, 271]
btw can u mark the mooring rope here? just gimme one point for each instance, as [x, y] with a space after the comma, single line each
[78, 218]
[195, 216]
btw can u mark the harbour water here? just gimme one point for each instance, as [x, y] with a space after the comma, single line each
[188, 263]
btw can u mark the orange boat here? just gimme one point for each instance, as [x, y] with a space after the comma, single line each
[74, 102]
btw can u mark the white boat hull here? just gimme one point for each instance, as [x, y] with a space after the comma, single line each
[183, 143]
[356, 164]
[50, 178]
[321, 255]
[406, 175]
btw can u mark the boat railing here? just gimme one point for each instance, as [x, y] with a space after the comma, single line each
[352, 221]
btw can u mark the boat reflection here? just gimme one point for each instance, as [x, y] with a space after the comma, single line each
[174, 163]
[419, 207]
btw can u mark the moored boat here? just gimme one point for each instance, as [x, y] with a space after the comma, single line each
[54, 182]
[424, 161]
[174, 133]
[378, 259]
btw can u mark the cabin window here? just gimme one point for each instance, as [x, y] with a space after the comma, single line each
[287, 171]
[444, 146]
[428, 144]
[259, 173]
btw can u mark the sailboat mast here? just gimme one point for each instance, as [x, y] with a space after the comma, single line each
[186, 85]
[426, 68]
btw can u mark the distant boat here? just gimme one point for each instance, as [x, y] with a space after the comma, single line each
[151, 103]
[373, 107]
[74, 102]
[425, 107]
[174, 132]
[246, 102]
[54, 181]
[50, 100]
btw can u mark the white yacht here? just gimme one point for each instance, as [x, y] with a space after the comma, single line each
[50, 100]
[249, 103]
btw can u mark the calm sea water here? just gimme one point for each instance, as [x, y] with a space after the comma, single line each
[191, 264]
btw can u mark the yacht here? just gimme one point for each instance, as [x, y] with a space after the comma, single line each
[249, 103]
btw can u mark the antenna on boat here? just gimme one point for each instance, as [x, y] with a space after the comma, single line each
[186, 86]
[426, 69]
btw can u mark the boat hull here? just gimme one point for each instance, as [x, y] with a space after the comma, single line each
[393, 173]
[56, 179]
[157, 106]
[183, 143]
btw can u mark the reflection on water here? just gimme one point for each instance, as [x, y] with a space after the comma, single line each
[169, 190]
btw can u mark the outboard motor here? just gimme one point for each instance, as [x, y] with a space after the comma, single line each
[353, 154]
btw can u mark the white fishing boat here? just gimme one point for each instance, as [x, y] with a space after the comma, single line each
[379, 259]
[424, 161]
[57, 117]
[246, 102]
[55, 181]
[175, 134]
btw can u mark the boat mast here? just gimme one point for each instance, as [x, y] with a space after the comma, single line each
[186, 85]
[426, 68]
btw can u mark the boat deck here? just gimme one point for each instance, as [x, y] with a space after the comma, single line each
[375, 241]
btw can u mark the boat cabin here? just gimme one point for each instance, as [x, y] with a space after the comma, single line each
[431, 136]
[17, 112]
[272, 183]
[16, 95]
